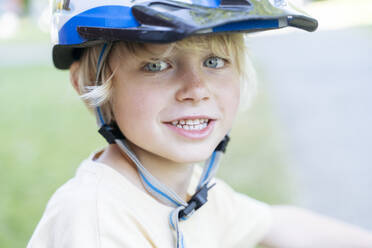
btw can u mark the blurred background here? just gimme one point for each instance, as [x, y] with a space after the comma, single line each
[306, 140]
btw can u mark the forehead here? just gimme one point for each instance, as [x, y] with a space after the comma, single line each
[220, 45]
[148, 52]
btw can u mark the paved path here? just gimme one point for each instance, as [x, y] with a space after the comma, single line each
[321, 87]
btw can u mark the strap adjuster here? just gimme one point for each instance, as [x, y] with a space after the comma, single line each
[223, 144]
[196, 201]
[111, 132]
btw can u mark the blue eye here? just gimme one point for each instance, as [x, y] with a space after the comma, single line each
[214, 62]
[156, 66]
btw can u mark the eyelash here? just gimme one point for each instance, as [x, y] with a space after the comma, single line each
[146, 67]
[215, 57]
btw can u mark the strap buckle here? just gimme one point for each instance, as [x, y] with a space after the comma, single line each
[223, 144]
[111, 132]
[196, 201]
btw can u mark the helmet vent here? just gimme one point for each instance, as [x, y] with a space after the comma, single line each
[163, 7]
[235, 3]
[66, 5]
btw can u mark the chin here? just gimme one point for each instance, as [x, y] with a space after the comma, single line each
[186, 156]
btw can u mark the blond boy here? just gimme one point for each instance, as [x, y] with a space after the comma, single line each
[165, 80]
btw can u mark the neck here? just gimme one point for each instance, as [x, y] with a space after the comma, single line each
[175, 176]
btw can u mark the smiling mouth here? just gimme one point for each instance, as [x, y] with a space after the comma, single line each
[191, 124]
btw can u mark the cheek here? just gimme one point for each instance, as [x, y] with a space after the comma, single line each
[229, 97]
[231, 106]
[136, 109]
[233, 94]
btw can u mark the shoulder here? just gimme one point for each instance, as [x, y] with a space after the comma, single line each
[93, 209]
[224, 199]
[248, 220]
[79, 193]
[70, 212]
[225, 195]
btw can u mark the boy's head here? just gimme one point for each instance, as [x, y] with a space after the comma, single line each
[196, 80]
[174, 103]
[146, 87]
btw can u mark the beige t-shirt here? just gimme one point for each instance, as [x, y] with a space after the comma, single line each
[100, 208]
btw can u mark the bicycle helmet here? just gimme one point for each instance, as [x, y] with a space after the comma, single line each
[79, 24]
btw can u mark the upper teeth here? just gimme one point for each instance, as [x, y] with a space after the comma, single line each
[196, 124]
[190, 122]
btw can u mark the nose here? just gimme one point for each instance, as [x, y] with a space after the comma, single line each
[193, 88]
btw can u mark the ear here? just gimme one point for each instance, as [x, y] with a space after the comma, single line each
[74, 76]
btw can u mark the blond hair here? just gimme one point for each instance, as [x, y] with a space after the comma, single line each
[229, 45]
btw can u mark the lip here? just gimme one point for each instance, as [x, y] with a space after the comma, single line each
[193, 134]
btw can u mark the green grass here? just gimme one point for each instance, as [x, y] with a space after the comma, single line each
[46, 132]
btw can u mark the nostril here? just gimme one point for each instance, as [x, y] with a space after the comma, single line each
[194, 94]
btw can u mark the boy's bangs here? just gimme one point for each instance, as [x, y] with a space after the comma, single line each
[220, 44]
[224, 45]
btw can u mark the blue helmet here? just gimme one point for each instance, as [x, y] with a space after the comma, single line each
[84, 23]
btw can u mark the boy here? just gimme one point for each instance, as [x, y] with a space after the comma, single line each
[165, 80]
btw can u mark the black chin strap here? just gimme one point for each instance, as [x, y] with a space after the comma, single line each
[111, 132]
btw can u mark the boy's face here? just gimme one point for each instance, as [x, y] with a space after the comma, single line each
[187, 85]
